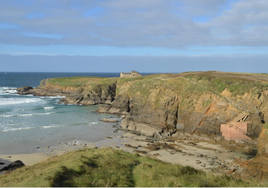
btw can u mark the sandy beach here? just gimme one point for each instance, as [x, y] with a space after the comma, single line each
[200, 155]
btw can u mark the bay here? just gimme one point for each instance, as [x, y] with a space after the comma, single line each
[30, 122]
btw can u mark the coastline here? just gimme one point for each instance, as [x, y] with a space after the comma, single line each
[173, 126]
[201, 155]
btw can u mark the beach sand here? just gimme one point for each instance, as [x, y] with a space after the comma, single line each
[201, 155]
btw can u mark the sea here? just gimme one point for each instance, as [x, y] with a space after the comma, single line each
[30, 122]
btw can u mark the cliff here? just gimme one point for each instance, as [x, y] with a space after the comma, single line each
[164, 104]
[196, 102]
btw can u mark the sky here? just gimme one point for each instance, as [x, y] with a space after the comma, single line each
[124, 35]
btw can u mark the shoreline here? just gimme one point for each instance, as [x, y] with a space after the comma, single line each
[201, 155]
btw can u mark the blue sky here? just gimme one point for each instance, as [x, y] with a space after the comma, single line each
[154, 35]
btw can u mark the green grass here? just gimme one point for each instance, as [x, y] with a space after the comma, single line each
[237, 83]
[70, 81]
[110, 167]
[76, 82]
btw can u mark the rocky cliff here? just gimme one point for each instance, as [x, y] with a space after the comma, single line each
[199, 102]
[161, 105]
[164, 104]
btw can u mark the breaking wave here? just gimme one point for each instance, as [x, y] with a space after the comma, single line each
[13, 101]
[27, 128]
[25, 115]
[49, 107]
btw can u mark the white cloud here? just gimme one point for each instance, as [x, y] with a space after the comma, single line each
[151, 23]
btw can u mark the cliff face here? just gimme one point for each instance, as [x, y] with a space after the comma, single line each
[191, 102]
[160, 105]
[78, 90]
[96, 95]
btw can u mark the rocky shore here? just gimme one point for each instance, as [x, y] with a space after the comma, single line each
[186, 150]
[177, 106]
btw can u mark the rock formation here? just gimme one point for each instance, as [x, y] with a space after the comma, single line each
[257, 168]
[13, 166]
[22, 90]
[165, 104]
[96, 95]
[160, 105]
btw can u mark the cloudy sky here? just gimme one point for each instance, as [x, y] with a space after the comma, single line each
[122, 35]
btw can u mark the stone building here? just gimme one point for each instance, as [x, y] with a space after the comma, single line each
[129, 74]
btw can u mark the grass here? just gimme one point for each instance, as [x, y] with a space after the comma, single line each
[69, 81]
[110, 167]
[237, 83]
[80, 81]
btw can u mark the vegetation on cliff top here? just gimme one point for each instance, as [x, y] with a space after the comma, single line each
[189, 82]
[80, 81]
[110, 167]
[188, 86]
[236, 83]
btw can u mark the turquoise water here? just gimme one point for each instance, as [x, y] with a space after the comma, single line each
[28, 122]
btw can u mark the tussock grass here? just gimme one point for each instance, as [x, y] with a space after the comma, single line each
[110, 167]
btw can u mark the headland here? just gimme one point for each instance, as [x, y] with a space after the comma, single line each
[182, 114]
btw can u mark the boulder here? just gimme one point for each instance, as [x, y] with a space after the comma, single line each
[109, 120]
[24, 89]
[13, 166]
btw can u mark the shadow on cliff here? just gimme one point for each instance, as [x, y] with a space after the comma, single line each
[251, 153]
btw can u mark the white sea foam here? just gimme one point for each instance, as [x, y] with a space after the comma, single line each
[52, 126]
[93, 123]
[52, 97]
[13, 125]
[25, 115]
[18, 129]
[49, 107]
[12, 101]
[7, 90]
[29, 95]
[26, 128]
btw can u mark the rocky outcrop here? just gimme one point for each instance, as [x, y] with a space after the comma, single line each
[257, 168]
[97, 95]
[13, 166]
[109, 120]
[119, 106]
[24, 90]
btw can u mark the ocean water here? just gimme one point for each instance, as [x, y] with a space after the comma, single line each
[29, 122]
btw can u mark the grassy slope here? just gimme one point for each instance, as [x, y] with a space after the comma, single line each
[110, 167]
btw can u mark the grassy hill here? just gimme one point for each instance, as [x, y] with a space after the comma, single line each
[111, 167]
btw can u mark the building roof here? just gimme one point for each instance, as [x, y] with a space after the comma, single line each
[134, 71]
